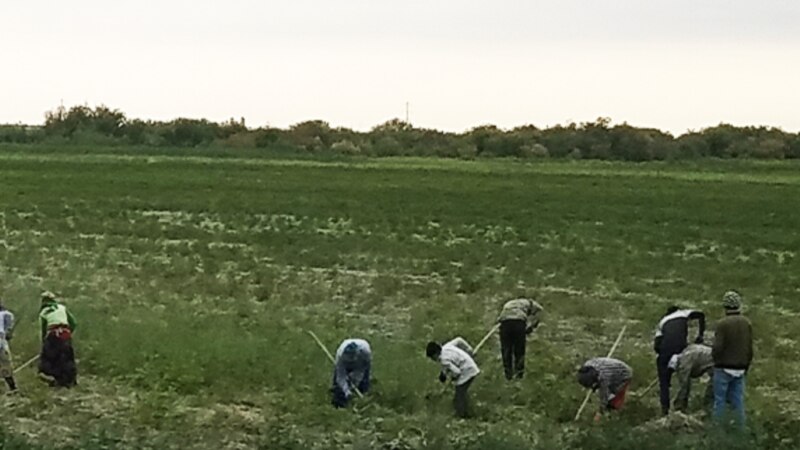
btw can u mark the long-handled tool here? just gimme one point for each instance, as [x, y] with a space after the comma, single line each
[485, 338]
[647, 389]
[333, 361]
[28, 363]
[611, 352]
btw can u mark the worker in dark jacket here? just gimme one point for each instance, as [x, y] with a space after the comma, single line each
[351, 370]
[732, 352]
[671, 339]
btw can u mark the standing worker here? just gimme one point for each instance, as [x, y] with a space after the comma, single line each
[671, 339]
[351, 369]
[518, 319]
[57, 359]
[732, 352]
[6, 333]
[456, 360]
[610, 378]
[692, 363]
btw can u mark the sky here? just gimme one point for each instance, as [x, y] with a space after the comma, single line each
[675, 65]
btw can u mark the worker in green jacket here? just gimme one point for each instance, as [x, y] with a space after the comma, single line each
[57, 359]
[732, 353]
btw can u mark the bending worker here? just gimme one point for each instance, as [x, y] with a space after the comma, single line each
[518, 319]
[57, 359]
[610, 378]
[6, 333]
[694, 362]
[351, 370]
[456, 360]
[671, 339]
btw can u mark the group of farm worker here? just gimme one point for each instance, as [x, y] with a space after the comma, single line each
[57, 357]
[725, 362]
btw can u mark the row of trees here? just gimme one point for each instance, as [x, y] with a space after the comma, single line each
[590, 140]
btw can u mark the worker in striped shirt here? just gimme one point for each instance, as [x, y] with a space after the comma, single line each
[610, 378]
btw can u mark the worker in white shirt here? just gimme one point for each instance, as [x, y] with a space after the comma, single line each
[456, 360]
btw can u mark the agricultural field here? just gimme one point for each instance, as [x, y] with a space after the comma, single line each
[194, 279]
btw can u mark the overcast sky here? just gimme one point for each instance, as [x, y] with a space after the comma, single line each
[674, 65]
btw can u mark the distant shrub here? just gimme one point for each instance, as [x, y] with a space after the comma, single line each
[596, 139]
[265, 137]
[189, 132]
[20, 134]
[346, 148]
[467, 151]
[534, 151]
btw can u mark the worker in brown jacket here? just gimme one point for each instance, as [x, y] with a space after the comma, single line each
[517, 320]
[732, 353]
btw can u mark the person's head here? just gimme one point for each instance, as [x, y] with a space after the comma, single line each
[672, 308]
[350, 349]
[48, 298]
[433, 350]
[587, 377]
[732, 302]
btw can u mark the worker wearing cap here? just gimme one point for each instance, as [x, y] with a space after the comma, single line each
[57, 359]
[733, 353]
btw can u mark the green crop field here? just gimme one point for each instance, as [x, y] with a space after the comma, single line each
[193, 280]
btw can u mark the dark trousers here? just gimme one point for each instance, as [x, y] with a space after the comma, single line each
[664, 380]
[512, 347]
[58, 360]
[461, 399]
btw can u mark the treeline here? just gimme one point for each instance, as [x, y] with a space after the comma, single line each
[590, 140]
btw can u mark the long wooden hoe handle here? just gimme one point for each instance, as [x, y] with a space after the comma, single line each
[485, 338]
[28, 363]
[333, 361]
[647, 389]
[610, 352]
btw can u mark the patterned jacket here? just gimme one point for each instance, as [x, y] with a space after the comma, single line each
[613, 375]
[694, 361]
[521, 309]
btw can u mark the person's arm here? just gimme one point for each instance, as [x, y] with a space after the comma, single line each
[9, 325]
[602, 393]
[450, 368]
[700, 317]
[719, 343]
[43, 324]
[462, 344]
[533, 316]
[750, 347]
[341, 379]
[71, 321]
